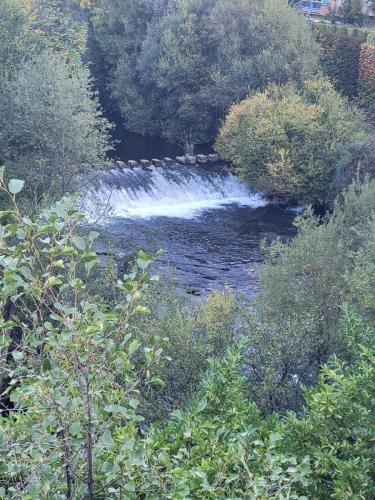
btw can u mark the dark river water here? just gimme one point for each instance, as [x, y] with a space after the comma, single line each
[133, 146]
[210, 225]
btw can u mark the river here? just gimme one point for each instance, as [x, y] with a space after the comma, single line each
[207, 221]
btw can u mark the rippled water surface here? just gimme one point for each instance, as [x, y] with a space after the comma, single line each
[209, 223]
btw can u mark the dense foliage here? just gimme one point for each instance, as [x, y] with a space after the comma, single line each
[63, 25]
[68, 363]
[351, 12]
[340, 56]
[174, 68]
[113, 385]
[367, 74]
[222, 447]
[290, 143]
[18, 41]
[75, 371]
[51, 122]
[294, 321]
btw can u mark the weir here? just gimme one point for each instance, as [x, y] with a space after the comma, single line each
[173, 191]
[199, 159]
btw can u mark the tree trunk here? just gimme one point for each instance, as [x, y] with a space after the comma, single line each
[89, 445]
[62, 165]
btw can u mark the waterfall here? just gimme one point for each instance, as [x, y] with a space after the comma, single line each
[176, 191]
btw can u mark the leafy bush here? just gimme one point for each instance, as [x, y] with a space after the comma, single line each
[70, 366]
[337, 428]
[196, 333]
[76, 373]
[222, 447]
[291, 143]
[294, 322]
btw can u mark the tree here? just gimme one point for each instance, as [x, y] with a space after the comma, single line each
[118, 29]
[63, 25]
[51, 118]
[291, 143]
[340, 56]
[351, 12]
[74, 373]
[176, 67]
[18, 40]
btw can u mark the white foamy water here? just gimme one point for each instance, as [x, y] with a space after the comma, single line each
[179, 191]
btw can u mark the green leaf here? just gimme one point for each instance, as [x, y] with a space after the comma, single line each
[275, 437]
[20, 234]
[17, 355]
[76, 429]
[91, 264]
[157, 381]
[134, 346]
[134, 403]
[91, 330]
[142, 310]
[144, 260]
[8, 324]
[93, 235]
[177, 414]
[46, 365]
[107, 440]
[15, 186]
[117, 409]
[79, 242]
[89, 256]
[5, 341]
[54, 280]
[200, 474]
[201, 406]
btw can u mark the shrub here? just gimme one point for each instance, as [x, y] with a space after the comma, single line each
[221, 446]
[291, 143]
[337, 428]
[70, 367]
[294, 322]
[77, 371]
[196, 333]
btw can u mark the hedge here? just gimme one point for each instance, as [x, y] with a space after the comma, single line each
[366, 89]
[340, 56]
